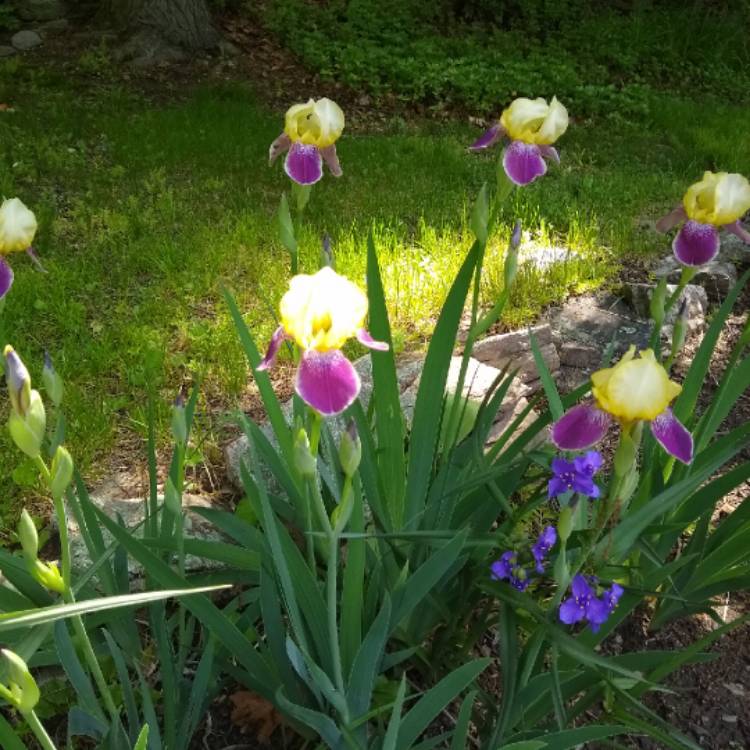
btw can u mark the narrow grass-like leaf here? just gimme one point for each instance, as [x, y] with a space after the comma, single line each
[142, 742]
[548, 383]
[394, 723]
[352, 590]
[322, 724]
[9, 739]
[461, 732]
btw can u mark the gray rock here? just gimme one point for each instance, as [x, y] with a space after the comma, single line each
[25, 40]
[58, 26]
[695, 297]
[39, 10]
[131, 510]
[580, 356]
[7, 51]
[734, 250]
[716, 277]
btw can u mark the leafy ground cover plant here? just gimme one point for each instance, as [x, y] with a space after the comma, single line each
[383, 549]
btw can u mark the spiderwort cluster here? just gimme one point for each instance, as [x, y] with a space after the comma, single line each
[589, 602]
[575, 476]
[507, 568]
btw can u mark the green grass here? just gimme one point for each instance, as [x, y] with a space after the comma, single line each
[146, 209]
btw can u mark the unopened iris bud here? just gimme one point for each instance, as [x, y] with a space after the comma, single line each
[679, 332]
[565, 524]
[28, 430]
[179, 423]
[52, 381]
[511, 257]
[625, 455]
[658, 300]
[61, 472]
[28, 536]
[172, 498]
[350, 449]
[18, 380]
[47, 575]
[326, 252]
[304, 461]
[18, 686]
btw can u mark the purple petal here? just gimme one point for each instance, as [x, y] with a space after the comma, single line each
[327, 381]
[580, 588]
[278, 147]
[696, 244]
[523, 162]
[6, 278]
[561, 466]
[556, 487]
[304, 164]
[571, 611]
[273, 349]
[548, 537]
[549, 152]
[364, 338]
[332, 160]
[672, 219]
[597, 612]
[673, 436]
[736, 228]
[580, 428]
[584, 485]
[589, 463]
[488, 138]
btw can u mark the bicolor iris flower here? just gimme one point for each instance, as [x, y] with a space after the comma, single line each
[635, 389]
[320, 312]
[532, 126]
[584, 604]
[542, 546]
[717, 202]
[17, 230]
[508, 569]
[576, 475]
[310, 134]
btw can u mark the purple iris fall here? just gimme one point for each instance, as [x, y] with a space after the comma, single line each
[584, 605]
[576, 475]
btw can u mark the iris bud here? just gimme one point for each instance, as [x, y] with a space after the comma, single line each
[658, 300]
[625, 455]
[28, 429]
[172, 498]
[28, 536]
[52, 381]
[19, 381]
[350, 449]
[20, 690]
[304, 461]
[179, 422]
[511, 258]
[48, 575]
[679, 332]
[61, 472]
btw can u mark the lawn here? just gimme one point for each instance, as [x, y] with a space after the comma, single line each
[148, 206]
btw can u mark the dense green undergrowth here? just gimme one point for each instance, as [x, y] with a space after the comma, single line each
[146, 209]
[599, 58]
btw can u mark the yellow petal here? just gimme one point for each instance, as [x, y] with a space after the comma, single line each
[17, 226]
[315, 123]
[719, 198]
[331, 119]
[534, 121]
[555, 123]
[321, 311]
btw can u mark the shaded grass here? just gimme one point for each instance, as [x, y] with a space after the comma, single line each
[147, 209]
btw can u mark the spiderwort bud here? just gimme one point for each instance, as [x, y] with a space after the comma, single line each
[52, 381]
[28, 536]
[511, 257]
[20, 690]
[304, 461]
[658, 300]
[565, 524]
[350, 449]
[61, 471]
[179, 423]
[679, 332]
[19, 381]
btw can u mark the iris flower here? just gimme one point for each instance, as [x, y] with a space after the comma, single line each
[532, 126]
[717, 202]
[634, 389]
[17, 230]
[320, 312]
[584, 604]
[576, 475]
[310, 134]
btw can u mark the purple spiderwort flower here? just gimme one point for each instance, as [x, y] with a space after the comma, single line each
[320, 312]
[542, 546]
[584, 604]
[17, 229]
[576, 475]
[717, 202]
[310, 134]
[508, 569]
[532, 126]
[634, 389]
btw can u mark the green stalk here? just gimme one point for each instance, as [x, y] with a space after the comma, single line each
[685, 278]
[69, 597]
[36, 726]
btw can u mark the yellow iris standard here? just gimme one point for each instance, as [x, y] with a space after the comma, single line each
[720, 198]
[317, 123]
[534, 121]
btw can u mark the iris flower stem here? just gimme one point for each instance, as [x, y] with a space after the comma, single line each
[685, 278]
[69, 597]
[36, 726]
[332, 601]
